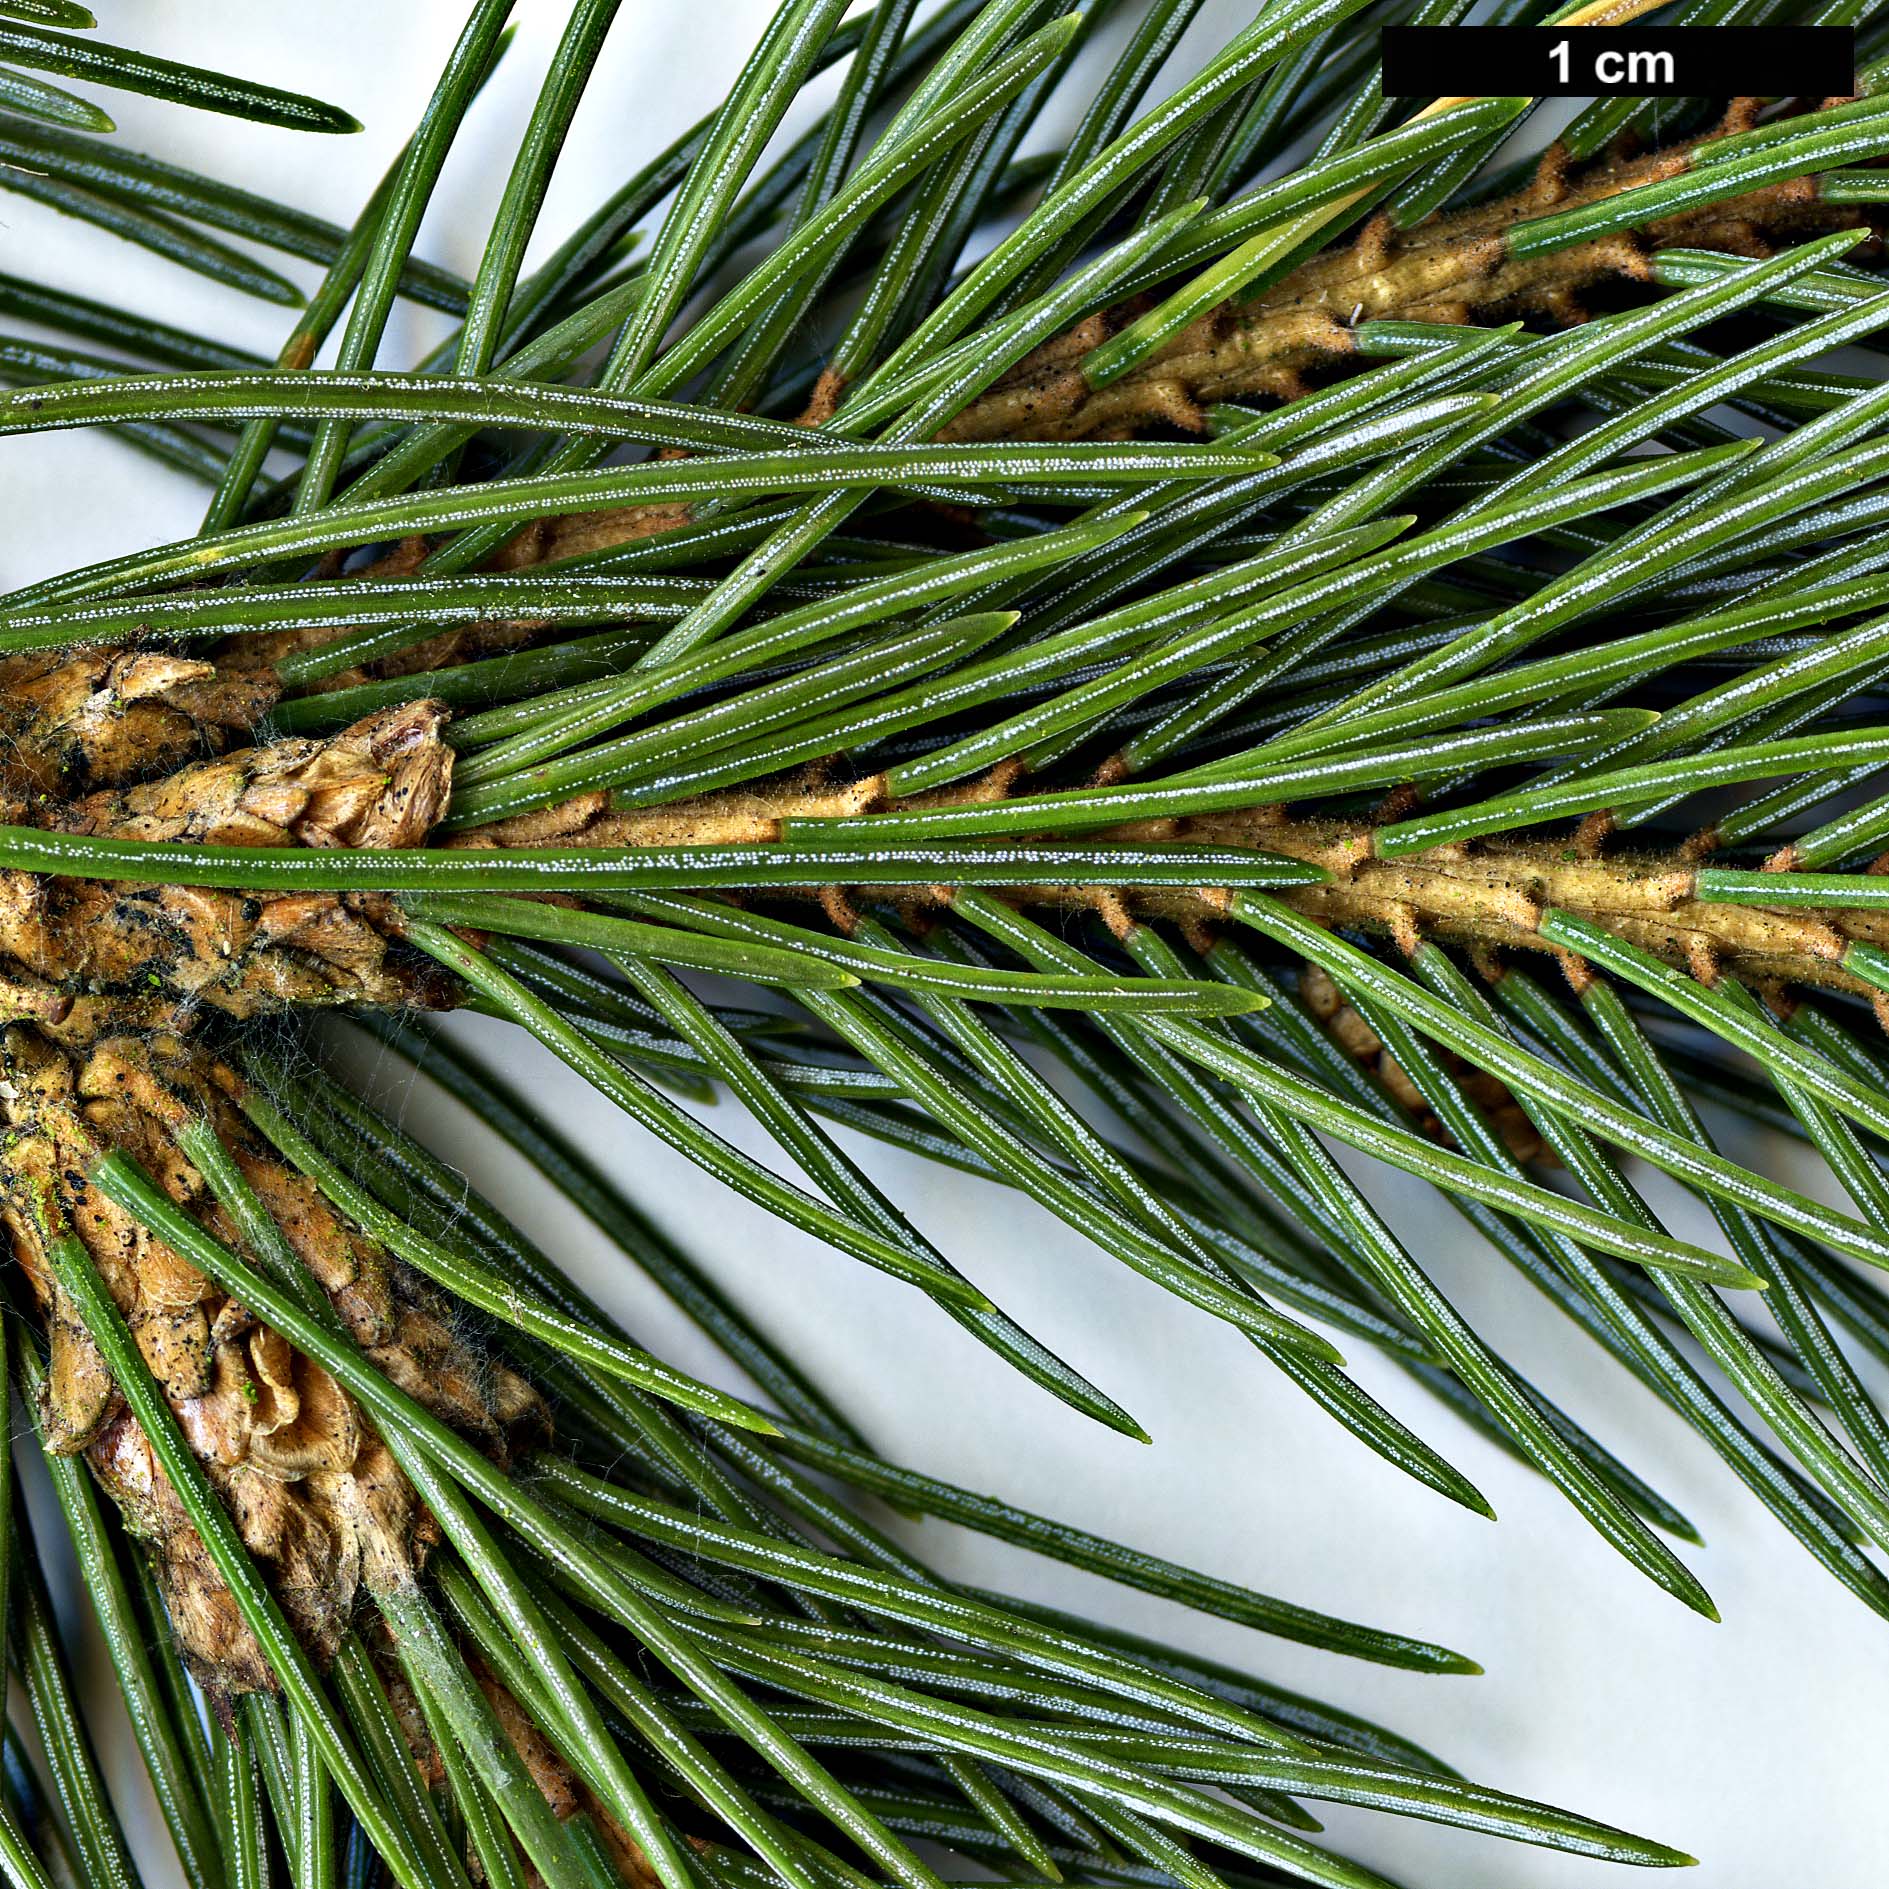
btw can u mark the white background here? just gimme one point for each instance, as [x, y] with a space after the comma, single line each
[1757, 1744]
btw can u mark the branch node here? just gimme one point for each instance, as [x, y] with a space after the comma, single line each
[1486, 961]
[1404, 932]
[842, 914]
[1576, 970]
[1113, 911]
[1550, 182]
[1592, 835]
[1376, 243]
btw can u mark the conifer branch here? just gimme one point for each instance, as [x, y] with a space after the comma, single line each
[976, 720]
